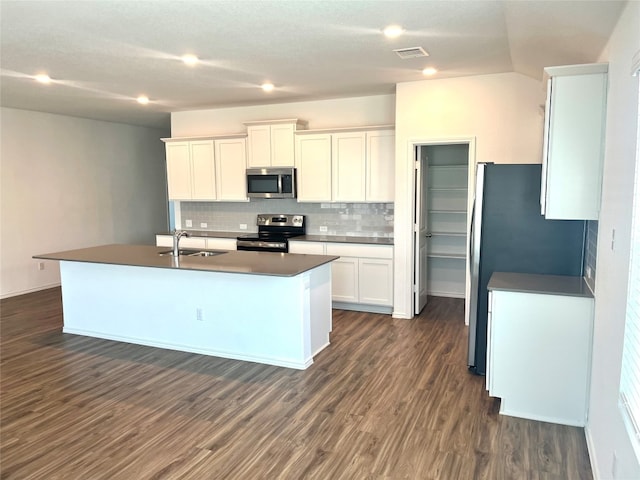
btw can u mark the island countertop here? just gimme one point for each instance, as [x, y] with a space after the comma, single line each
[255, 263]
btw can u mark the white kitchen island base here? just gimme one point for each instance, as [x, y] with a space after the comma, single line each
[277, 320]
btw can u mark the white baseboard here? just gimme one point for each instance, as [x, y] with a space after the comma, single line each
[592, 453]
[30, 290]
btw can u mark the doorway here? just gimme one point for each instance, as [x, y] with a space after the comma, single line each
[443, 193]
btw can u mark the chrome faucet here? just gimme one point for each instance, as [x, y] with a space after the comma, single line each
[177, 235]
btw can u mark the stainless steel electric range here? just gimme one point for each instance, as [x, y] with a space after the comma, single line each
[274, 230]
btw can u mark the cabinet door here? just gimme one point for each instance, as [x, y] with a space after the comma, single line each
[376, 281]
[178, 171]
[203, 173]
[575, 147]
[259, 146]
[282, 145]
[344, 280]
[540, 355]
[380, 178]
[313, 161]
[231, 165]
[349, 166]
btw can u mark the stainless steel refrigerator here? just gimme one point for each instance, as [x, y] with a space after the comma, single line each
[508, 234]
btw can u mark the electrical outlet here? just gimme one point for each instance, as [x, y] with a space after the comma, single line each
[188, 223]
[199, 315]
[40, 265]
[243, 226]
[323, 228]
[203, 225]
[614, 466]
[613, 239]
[588, 272]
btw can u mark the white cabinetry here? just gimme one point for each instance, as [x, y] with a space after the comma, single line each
[191, 170]
[573, 149]
[207, 169]
[313, 163]
[204, 243]
[347, 165]
[271, 142]
[231, 180]
[539, 355]
[361, 279]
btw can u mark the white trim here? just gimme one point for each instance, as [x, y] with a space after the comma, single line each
[266, 359]
[591, 448]
[412, 143]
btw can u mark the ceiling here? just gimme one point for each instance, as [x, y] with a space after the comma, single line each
[102, 54]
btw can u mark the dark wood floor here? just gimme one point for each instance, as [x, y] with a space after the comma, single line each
[389, 399]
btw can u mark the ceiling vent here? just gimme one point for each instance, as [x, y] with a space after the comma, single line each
[412, 52]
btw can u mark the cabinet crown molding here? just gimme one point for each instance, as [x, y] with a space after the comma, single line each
[207, 137]
[298, 122]
[365, 128]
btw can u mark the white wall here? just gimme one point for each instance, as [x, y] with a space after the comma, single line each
[344, 112]
[70, 183]
[501, 111]
[605, 431]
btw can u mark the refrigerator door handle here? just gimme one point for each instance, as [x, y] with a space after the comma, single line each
[475, 230]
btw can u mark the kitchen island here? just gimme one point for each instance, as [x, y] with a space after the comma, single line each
[268, 308]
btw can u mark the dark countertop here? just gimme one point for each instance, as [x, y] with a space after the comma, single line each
[302, 238]
[543, 284]
[345, 239]
[256, 263]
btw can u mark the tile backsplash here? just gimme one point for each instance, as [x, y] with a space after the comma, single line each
[349, 219]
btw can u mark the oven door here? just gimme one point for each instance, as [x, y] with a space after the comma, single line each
[262, 245]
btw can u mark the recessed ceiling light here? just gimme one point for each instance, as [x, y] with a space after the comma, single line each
[142, 99]
[393, 31]
[43, 78]
[429, 71]
[267, 87]
[190, 59]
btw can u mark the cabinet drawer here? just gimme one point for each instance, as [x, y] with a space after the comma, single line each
[221, 244]
[360, 250]
[164, 241]
[311, 248]
[193, 242]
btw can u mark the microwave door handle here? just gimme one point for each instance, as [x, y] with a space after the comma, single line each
[279, 183]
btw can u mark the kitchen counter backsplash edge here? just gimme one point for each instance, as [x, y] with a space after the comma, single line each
[303, 238]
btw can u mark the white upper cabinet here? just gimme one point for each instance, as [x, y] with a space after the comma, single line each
[179, 170]
[573, 148]
[380, 166]
[313, 163]
[348, 165]
[271, 143]
[203, 175]
[231, 179]
[207, 169]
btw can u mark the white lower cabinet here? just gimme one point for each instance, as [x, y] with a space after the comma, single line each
[361, 279]
[539, 355]
[345, 280]
[198, 242]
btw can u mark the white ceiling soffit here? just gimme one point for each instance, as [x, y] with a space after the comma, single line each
[102, 54]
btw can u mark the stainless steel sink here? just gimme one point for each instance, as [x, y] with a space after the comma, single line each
[193, 253]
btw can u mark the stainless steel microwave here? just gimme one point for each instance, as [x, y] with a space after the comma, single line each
[271, 182]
